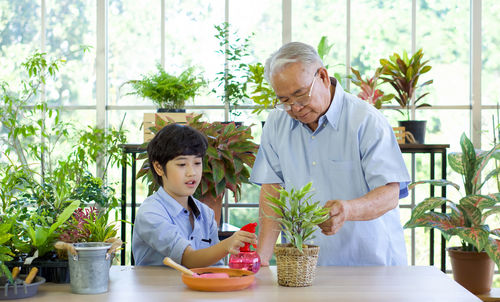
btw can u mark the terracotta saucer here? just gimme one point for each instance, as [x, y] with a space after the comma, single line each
[238, 279]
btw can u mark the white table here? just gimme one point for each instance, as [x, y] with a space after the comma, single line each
[144, 284]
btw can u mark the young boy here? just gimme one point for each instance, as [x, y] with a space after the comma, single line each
[171, 222]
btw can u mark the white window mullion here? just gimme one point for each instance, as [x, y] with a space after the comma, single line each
[348, 45]
[101, 71]
[286, 25]
[475, 70]
[162, 39]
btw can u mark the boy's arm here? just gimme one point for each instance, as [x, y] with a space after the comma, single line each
[157, 231]
[210, 255]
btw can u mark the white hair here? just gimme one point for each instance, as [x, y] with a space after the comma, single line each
[291, 53]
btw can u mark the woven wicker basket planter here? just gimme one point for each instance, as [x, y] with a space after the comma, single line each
[294, 268]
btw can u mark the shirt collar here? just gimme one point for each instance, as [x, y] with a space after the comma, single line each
[174, 206]
[332, 115]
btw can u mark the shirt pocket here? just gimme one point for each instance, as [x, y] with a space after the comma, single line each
[203, 242]
[343, 178]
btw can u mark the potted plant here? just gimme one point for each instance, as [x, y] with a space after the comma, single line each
[89, 238]
[168, 92]
[230, 155]
[296, 261]
[403, 73]
[473, 262]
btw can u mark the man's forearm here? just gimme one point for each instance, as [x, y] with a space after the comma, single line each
[374, 204]
[269, 229]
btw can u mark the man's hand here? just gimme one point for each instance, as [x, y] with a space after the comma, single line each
[237, 240]
[339, 212]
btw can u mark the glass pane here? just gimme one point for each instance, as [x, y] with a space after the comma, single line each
[490, 92]
[132, 124]
[238, 217]
[263, 19]
[489, 125]
[443, 31]
[490, 136]
[378, 29]
[445, 126]
[194, 45]
[134, 46]
[313, 19]
[71, 24]
[19, 37]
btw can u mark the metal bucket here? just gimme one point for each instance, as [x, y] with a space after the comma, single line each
[89, 270]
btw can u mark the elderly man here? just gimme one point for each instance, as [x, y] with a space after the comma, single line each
[347, 149]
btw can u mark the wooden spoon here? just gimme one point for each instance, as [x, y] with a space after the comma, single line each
[185, 270]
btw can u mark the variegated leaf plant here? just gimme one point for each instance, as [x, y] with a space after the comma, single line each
[467, 218]
[227, 163]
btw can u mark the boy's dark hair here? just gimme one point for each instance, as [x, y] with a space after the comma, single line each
[174, 140]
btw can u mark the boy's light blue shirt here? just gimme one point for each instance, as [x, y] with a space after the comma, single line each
[162, 228]
[352, 152]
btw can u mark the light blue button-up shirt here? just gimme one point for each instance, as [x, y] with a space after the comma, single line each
[162, 228]
[352, 152]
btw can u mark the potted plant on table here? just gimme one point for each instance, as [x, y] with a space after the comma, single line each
[473, 263]
[230, 155]
[168, 92]
[296, 261]
[90, 242]
[403, 73]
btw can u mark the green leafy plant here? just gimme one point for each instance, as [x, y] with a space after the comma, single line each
[42, 232]
[467, 217]
[298, 216]
[403, 73]
[230, 154]
[168, 91]
[369, 91]
[323, 50]
[262, 93]
[6, 224]
[233, 79]
[88, 225]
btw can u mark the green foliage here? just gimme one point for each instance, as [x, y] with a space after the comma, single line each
[262, 93]
[467, 218]
[36, 186]
[42, 232]
[234, 77]
[230, 154]
[369, 91]
[403, 73]
[323, 50]
[166, 90]
[297, 215]
[99, 229]
[6, 224]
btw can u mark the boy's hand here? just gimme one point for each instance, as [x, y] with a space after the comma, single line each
[237, 240]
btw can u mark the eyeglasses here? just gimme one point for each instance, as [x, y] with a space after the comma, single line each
[301, 100]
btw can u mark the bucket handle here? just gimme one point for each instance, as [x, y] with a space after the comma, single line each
[116, 243]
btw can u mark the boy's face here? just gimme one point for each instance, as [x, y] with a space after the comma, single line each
[183, 175]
